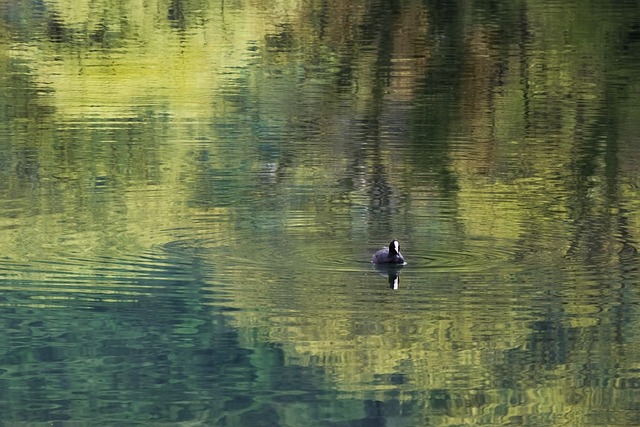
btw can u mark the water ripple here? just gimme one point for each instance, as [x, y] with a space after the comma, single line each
[266, 253]
[86, 281]
[468, 259]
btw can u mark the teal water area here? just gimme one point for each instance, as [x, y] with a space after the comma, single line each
[191, 191]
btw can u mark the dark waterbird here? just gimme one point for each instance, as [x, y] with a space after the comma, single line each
[390, 255]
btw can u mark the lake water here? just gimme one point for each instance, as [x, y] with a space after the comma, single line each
[191, 191]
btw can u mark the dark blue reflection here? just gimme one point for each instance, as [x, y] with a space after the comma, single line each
[158, 348]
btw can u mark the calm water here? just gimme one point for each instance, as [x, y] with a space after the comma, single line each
[190, 193]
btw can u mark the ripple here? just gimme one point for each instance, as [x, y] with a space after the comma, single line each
[263, 252]
[266, 252]
[475, 256]
[85, 282]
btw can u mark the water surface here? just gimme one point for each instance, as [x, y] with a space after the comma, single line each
[191, 192]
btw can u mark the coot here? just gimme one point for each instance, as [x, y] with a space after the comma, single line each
[390, 255]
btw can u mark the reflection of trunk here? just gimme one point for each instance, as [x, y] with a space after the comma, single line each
[627, 253]
[382, 200]
[525, 40]
[175, 14]
[381, 197]
[380, 192]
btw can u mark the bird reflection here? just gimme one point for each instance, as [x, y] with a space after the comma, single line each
[392, 271]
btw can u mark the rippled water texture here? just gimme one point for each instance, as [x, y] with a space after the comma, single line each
[191, 191]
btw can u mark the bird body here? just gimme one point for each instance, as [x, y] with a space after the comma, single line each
[390, 255]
